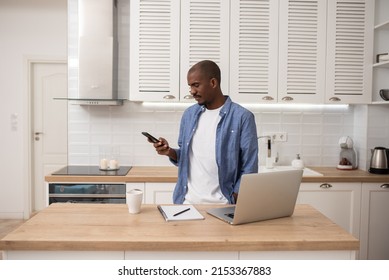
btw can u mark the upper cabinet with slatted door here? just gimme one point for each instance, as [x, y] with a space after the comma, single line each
[269, 51]
[350, 29]
[302, 51]
[204, 36]
[278, 51]
[167, 37]
[254, 51]
[154, 50]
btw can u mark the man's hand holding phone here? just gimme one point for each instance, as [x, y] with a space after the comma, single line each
[161, 146]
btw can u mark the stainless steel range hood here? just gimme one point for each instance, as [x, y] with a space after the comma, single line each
[97, 53]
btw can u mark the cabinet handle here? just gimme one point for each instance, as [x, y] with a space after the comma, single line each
[287, 98]
[384, 186]
[325, 186]
[188, 96]
[267, 98]
[336, 99]
[169, 96]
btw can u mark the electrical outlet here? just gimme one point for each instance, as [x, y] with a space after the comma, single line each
[279, 137]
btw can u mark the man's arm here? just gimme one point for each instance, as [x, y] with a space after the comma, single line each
[248, 148]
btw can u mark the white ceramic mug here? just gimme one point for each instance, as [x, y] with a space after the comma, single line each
[134, 200]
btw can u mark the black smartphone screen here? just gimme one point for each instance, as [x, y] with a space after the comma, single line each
[151, 137]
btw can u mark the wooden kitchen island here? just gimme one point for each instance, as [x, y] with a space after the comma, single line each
[108, 231]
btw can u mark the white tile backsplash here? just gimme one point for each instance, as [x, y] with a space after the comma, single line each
[377, 128]
[313, 133]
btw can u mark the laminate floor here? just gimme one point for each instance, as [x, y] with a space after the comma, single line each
[6, 226]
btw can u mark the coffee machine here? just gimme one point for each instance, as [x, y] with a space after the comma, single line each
[347, 156]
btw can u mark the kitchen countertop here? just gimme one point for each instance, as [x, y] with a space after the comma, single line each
[165, 174]
[109, 227]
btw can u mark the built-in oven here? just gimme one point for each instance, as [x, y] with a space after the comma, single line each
[87, 193]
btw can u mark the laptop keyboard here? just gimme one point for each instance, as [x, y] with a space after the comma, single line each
[230, 215]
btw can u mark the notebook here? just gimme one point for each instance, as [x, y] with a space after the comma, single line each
[180, 212]
[262, 196]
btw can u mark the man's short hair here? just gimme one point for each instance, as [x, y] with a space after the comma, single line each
[208, 68]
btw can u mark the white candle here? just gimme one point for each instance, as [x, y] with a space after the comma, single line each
[113, 164]
[103, 164]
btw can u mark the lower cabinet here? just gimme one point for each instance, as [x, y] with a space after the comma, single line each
[159, 193]
[340, 202]
[155, 193]
[374, 221]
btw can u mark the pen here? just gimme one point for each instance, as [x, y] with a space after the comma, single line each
[183, 211]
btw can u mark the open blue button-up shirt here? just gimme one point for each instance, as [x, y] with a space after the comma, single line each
[236, 148]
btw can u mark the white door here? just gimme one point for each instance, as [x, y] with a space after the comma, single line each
[49, 120]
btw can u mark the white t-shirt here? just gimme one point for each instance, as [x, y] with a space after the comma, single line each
[203, 180]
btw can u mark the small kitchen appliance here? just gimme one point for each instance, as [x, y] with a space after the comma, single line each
[379, 162]
[100, 191]
[347, 156]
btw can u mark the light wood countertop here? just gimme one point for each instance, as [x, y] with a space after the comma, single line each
[109, 227]
[331, 174]
[165, 174]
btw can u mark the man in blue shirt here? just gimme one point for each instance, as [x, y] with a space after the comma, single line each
[217, 142]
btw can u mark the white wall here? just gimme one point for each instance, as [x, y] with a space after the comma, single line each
[28, 29]
[37, 28]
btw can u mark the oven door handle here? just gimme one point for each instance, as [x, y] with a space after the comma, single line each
[88, 195]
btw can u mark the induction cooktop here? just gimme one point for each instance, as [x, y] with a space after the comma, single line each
[86, 170]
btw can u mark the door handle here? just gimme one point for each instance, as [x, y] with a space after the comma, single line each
[287, 98]
[37, 135]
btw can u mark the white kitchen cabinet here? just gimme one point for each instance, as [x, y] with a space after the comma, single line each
[374, 221]
[154, 50]
[302, 51]
[159, 193]
[340, 202]
[254, 51]
[349, 51]
[278, 51]
[268, 51]
[205, 27]
[154, 193]
[167, 37]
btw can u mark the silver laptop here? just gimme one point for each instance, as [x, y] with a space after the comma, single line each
[262, 196]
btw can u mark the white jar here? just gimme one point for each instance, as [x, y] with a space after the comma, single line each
[298, 163]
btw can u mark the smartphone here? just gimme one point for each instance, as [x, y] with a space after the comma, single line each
[151, 137]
